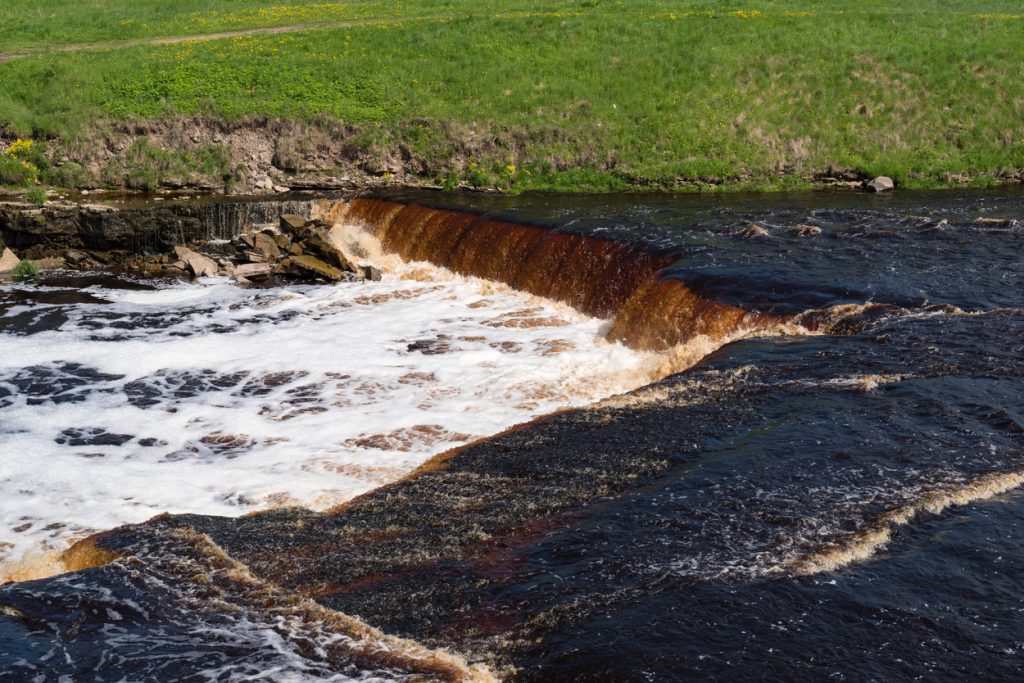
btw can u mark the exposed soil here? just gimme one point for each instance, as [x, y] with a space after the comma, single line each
[263, 155]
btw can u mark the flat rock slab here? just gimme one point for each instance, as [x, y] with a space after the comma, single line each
[253, 270]
[313, 265]
[291, 221]
[327, 251]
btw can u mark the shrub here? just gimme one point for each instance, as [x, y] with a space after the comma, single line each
[451, 182]
[68, 174]
[21, 161]
[145, 166]
[477, 177]
[36, 195]
[25, 270]
[17, 172]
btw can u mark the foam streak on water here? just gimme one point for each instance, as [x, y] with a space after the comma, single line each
[215, 399]
[147, 617]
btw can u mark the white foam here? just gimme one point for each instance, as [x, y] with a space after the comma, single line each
[320, 398]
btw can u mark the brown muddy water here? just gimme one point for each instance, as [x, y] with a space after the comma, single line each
[772, 437]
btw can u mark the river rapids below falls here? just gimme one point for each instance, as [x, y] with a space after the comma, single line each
[563, 438]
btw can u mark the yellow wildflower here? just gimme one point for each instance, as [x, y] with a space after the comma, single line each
[19, 148]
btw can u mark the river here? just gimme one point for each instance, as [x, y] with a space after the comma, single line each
[781, 437]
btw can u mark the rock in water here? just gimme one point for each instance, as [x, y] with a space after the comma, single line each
[753, 231]
[253, 270]
[201, 266]
[312, 265]
[291, 222]
[804, 230]
[370, 273]
[8, 261]
[256, 257]
[881, 184]
[282, 241]
[267, 245]
[322, 247]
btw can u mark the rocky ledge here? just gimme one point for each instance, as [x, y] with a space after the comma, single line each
[253, 241]
[297, 249]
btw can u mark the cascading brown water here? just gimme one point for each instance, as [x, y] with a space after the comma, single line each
[604, 278]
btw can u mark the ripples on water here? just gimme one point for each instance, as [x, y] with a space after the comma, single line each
[841, 505]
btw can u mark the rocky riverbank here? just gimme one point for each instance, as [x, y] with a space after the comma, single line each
[296, 249]
[267, 156]
[249, 239]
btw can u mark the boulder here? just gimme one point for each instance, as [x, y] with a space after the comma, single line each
[804, 230]
[311, 265]
[256, 257]
[291, 222]
[266, 245]
[320, 224]
[880, 184]
[253, 270]
[370, 273]
[8, 261]
[322, 247]
[218, 248]
[753, 231]
[201, 266]
[75, 257]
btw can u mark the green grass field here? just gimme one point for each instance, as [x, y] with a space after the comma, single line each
[569, 95]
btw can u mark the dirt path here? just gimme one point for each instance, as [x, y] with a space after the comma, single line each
[172, 40]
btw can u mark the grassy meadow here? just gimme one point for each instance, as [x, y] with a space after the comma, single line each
[586, 95]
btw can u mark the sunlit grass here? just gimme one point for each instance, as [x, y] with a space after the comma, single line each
[580, 94]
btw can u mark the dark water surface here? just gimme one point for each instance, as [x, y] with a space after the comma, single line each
[832, 506]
